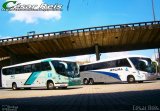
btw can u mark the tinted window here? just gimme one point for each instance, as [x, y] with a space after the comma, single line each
[7, 71]
[66, 68]
[12, 70]
[46, 66]
[27, 68]
[60, 69]
[88, 67]
[143, 64]
[17, 70]
[4, 71]
[99, 65]
[36, 67]
[111, 64]
[123, 63]
[82, 68]
[107, 64]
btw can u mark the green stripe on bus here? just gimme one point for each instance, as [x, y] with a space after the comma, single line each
[32, 78]
[47, 60]
[73, 83]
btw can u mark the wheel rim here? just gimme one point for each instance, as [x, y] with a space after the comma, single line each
[91, 81]
[85, 81]
[131, 79]
[50, 85]
[14, 86]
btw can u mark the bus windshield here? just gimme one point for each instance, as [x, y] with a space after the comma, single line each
[143, 64]
[65, 68]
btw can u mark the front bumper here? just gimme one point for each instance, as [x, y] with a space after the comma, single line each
[151, 76]
[61, 84]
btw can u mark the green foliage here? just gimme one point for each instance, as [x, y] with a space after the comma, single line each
[159, 68]
[155, 65]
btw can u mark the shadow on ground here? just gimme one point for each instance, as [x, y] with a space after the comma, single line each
[69, 88]
[132, 100]
[117, 83]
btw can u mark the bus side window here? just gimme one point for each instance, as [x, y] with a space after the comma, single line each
[98, 66]
[21, 69]
[82, 68]
[9, 71]
[111, 64]
[13, 70]
[56, 66]
[4, 71]
[88, 67]
[123, 63]
[45, 66]
[17, 70]
[33, 68]
[27, 68]
[36, 67]
[85, 68]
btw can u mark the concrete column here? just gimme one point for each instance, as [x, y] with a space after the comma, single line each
[0, 78]
[159, 55]
[97, 52]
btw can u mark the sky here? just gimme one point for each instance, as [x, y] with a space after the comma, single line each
[81, 14]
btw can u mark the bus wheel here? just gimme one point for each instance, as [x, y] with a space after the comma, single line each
[14, 86]
[91, 81]
[85, 81]
[50, 85]
[130, 79]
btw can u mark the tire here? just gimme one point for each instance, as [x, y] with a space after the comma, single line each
[130, 79]
[91, 81]
[64, 87]
[14, 86]
[85, 81]
[50, 85]
[140, 81]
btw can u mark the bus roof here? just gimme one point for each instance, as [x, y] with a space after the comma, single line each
[115, 58]
[37, 61]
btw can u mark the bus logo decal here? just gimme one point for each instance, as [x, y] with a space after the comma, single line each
[126, 69]
[32, 78]
[49, 74]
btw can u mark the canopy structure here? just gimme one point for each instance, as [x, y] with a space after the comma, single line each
[112, 38]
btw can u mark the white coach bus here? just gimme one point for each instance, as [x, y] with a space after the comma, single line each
[128, 68]
[50, 73]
